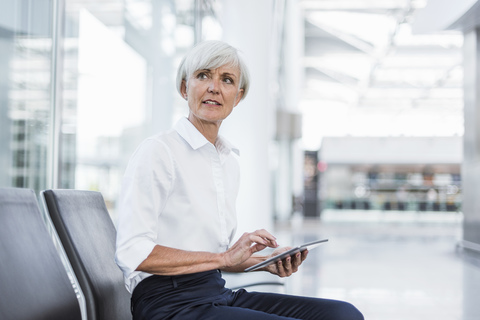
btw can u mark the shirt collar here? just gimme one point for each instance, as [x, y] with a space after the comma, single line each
[196, 140]
[225, 146]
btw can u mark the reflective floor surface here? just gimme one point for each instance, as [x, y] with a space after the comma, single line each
[391, 265]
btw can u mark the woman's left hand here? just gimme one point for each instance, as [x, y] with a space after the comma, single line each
[288, 265]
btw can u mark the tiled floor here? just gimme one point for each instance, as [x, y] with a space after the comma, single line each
[391, 265]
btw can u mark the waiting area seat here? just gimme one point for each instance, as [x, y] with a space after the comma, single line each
[33, 281]
[88, 236]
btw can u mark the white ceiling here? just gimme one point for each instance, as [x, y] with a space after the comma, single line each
[368, 75]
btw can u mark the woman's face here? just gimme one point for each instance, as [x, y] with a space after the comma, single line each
[212, 94]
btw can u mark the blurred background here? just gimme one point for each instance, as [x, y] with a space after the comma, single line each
[360, 126]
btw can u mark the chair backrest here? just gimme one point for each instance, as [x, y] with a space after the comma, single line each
[88, 236]
[33, 281]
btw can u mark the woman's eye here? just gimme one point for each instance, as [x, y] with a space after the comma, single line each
[228, 80]
[202, 75]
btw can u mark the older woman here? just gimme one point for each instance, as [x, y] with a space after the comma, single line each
[177, 212]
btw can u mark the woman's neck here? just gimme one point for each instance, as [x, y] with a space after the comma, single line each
[208, 129]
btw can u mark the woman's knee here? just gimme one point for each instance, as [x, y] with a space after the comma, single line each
[345, 311]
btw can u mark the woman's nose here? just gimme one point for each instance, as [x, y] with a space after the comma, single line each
[213, 86]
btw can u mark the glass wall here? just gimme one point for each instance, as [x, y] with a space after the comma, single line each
[83, 82]
[25, 91]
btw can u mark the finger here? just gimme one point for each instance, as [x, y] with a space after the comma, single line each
[292, 266]
[285, 267]
[264, 241]
[257, 247]
[304, 254]
[267, 236]
[281, 270]
[287, 263]
[297, 259]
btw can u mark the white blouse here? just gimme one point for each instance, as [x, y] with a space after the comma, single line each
[179, 191]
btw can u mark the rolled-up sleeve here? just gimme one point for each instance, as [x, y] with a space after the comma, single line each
[145, 189]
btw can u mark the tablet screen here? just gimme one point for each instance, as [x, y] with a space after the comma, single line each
[283, 255]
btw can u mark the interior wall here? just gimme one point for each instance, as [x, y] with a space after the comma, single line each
[471, 154]
[249, 127]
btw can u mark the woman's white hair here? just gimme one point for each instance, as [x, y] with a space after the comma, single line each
[211, 55]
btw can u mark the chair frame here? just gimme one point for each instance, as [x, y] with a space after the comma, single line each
[53, 209]
[63, 256]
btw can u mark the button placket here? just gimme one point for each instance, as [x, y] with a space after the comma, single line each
[220, 191]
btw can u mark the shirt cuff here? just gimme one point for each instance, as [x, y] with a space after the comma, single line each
[129, 258]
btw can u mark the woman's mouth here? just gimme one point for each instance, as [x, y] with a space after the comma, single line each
[212, 102]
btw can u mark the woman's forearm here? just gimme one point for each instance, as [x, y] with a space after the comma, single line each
[169, 261]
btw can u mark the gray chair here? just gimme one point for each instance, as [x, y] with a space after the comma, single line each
[88, 236]
[33, 281]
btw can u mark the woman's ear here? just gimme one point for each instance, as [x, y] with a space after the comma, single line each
[183, 89]
[239, 96]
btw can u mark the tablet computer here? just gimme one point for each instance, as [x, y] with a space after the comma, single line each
[283, 255]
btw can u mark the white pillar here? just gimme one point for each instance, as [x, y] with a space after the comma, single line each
[289, 173]
[294, 44]
[471, 139]
[247, 25]
[162, 39]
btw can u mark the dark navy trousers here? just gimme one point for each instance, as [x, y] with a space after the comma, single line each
[203, 296]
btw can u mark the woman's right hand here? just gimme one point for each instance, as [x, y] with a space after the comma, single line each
[248, 244]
